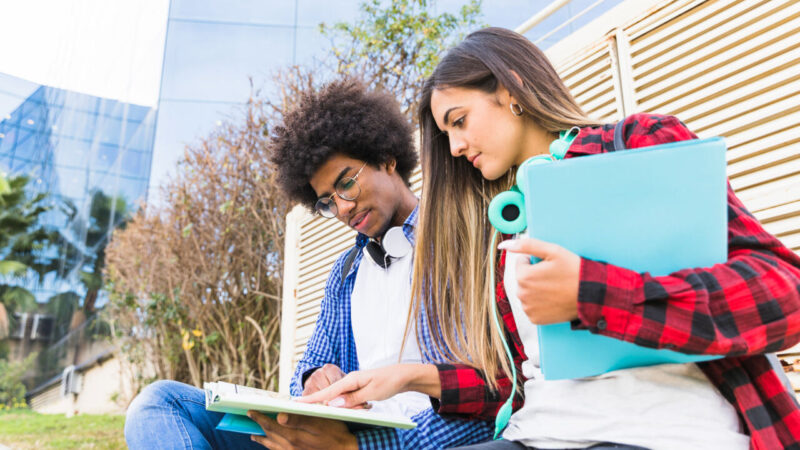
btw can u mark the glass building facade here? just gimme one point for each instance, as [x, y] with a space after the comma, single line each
[81, 150]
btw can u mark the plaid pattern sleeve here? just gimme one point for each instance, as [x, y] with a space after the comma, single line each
[769, 412]
[747, 306]
[465, 391]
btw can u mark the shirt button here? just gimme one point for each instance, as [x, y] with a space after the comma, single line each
[601, 324]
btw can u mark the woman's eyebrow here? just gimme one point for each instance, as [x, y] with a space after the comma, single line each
[447, 113]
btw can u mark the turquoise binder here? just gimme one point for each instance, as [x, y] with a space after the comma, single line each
[241, 424]
[654, 209]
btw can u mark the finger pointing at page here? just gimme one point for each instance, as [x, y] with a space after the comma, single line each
[340, 394]
[363, 386]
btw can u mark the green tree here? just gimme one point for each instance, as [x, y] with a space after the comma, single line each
[106, 213]
[395, 46]
[62, 307]
[82, 247]
[79, 256]
[22, 239]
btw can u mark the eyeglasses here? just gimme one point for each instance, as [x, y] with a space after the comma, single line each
[346, 188]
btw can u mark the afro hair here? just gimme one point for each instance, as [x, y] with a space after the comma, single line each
[343, 117]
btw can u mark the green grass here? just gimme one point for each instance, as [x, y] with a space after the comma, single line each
[25, 429]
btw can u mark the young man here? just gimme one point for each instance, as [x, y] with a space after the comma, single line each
[346, 153]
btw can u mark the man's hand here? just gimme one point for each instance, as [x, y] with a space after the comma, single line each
[322, 378]
[378, 384]
[291, 431]
[548, 290]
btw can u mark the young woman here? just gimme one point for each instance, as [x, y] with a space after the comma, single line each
[493, 102]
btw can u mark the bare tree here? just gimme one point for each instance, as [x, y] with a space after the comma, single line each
[195, 286]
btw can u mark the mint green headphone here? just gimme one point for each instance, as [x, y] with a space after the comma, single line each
[507, 209]
[507, 215]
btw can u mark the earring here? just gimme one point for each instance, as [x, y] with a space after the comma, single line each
[518, 111]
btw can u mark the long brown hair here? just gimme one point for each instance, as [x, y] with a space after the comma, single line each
[454, 259]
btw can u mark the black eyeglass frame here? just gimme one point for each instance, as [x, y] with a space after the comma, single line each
[327, 203]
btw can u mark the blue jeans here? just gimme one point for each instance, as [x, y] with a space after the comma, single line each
[172, 415]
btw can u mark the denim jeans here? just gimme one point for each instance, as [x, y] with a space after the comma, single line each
[172, 415]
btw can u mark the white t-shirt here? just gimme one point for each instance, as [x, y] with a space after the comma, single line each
[379, 308]
[670, 406]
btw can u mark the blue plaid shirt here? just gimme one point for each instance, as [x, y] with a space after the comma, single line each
[332, 343]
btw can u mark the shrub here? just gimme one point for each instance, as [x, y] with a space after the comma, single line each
[12, 391]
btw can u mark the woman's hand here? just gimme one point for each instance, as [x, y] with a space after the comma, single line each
[362, 386]
[548, 290]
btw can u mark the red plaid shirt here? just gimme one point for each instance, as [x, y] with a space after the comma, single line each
[746, 307]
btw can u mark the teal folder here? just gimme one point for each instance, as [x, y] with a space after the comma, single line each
[241, 424]
[654, 209]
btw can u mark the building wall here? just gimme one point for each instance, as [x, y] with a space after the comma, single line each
[101, 387]
[52, 402]
[102, 391]
[726, 68]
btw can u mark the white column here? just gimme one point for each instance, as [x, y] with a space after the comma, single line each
[291, 258]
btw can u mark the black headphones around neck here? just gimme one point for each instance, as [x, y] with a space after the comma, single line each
[378, 254]
[394, 244]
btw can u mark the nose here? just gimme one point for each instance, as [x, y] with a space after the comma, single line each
[458, 145]
[344, 207]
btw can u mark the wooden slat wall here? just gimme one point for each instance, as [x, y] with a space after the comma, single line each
[321, 242]
[732, 69]
[726, 68]
[593, 78]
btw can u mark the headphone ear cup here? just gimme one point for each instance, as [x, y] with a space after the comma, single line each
[507, 212]
[507, 209]
[378, 254]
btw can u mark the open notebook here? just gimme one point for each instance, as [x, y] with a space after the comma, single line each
[654, 209]
[236, 400]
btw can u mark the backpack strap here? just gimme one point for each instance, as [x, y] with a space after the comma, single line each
[348, 262]
[619, 141]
